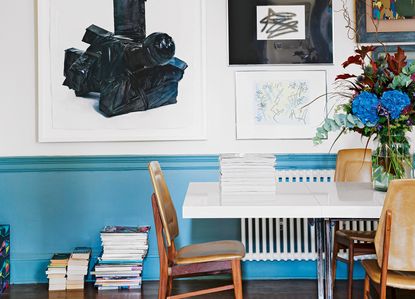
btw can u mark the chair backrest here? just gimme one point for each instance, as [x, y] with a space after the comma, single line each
[353, 165]
[164, 202]
[400, 200]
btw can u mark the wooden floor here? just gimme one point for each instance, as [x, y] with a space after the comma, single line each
[269, 289]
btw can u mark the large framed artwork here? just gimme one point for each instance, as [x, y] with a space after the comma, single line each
[280, 32]
[273, 104]
[121, 70]
[381, 21]
[383, 50]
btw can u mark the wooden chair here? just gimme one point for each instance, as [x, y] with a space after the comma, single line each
[193, 260]
[394, 242]
[352, 165]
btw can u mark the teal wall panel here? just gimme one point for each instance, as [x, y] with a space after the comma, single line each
[54, 204]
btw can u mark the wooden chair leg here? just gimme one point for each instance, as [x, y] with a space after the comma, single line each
[366, 288]
[163, 284]
[169, 285]
[237, 278]
[385, 258]
[350, 264]
[334, 262]
[382, 290]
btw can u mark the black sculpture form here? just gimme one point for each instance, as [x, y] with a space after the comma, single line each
[131, 72]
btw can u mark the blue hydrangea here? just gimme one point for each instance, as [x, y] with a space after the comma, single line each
[394, 101]
[365, 107]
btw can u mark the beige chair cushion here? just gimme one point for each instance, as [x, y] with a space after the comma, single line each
[209, 252]
[396, 279]
[367, 236]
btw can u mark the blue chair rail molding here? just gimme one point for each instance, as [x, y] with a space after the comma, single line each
[4, 257]
[54, 204]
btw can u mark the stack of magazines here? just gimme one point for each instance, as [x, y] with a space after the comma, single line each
[78, 266]
[121, 263]
[247, 173]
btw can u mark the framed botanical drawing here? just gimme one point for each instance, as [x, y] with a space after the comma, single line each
[280, 32]
[381, 21]
[273, 104]
[121, 70]
[382, 50]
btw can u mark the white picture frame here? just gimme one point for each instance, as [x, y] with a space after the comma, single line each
[273, 104]
[63, 117]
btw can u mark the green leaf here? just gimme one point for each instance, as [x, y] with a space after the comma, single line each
[317, 141]
[326, 126]
[359, 124]
[320, 135]
[339, 119]
[351, 119]
[333, 125]
[321, 130]
[411, 68]
[399, 81]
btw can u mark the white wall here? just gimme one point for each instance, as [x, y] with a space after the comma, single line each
[18, 112]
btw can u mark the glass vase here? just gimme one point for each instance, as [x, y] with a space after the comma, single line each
[391, 161]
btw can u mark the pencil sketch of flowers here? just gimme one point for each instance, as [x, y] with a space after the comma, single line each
[280, 102]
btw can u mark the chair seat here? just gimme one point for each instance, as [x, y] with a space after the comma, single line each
[346, 235]
[210, 252]
[396, 279]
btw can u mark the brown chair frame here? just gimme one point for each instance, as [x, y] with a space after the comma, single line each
[355, 249]
[168, 270]
[381, 289]
[353, 245]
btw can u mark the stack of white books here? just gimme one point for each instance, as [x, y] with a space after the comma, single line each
[247, 173]
[78, 266]
[121, 263]
[56, 271]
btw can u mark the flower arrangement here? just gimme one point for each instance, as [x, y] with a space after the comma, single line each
[379, 104]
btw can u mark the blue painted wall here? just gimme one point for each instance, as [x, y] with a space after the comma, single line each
[57, 203]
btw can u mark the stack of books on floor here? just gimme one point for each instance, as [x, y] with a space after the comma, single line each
[121, 263]
[56, 271]
[247, 173]
[78, 266]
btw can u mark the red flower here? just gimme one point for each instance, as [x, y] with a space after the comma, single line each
[345, 76]
[397, 61]
[407, 109]
[356, 59]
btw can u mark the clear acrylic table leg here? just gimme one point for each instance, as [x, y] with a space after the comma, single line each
[320, 265]
[328, 252]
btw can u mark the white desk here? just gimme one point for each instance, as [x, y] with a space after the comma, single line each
[322, 202]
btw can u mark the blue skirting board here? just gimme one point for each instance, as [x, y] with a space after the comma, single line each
[54, 204]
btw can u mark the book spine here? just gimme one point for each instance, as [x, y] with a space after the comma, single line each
[4, 257]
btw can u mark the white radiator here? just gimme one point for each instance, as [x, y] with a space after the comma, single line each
[289, 239]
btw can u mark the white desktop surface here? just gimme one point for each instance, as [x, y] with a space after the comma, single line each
[291, 200]
[348, 200]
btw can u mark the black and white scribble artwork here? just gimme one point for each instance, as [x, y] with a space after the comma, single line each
[280, 32]
[281, 22]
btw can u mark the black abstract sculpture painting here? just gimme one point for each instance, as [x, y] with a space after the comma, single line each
[130, 71]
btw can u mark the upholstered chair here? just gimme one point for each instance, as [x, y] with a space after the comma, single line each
[192, 260]
[352, 165]
[394, 242]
